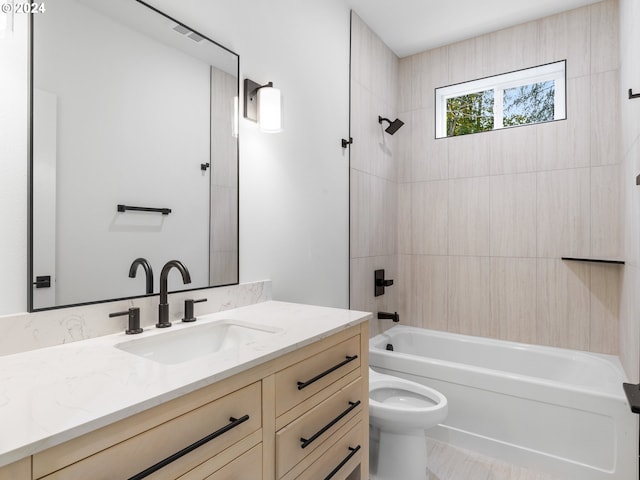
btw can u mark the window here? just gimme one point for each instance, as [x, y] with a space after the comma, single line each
[532, 95]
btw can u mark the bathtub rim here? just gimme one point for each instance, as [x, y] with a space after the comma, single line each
[377, 343]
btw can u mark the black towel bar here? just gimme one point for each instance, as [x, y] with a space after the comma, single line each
[124, 208]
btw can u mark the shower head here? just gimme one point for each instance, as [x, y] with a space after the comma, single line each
[393, 127]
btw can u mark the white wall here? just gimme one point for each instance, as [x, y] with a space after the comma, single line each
[293, 185]
[13, 168]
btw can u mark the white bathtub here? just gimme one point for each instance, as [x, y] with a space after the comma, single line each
[558, 411]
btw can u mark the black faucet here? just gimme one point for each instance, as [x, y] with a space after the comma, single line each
[134, 320]
[389, 316]
[148, 272]
[163, 308]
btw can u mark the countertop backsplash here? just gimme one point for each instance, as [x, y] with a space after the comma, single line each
[29, 331]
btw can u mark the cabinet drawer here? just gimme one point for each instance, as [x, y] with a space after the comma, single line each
[143, 451]
[311, 430]
[246, 467]
[339, 460]
[20, 470]
[306, 378]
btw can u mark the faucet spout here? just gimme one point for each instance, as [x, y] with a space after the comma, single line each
[389, 316]
[148, 272]
[163, 307]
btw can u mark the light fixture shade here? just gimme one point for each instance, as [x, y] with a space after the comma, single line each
[270, 109]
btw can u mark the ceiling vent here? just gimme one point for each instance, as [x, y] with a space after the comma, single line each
[182, 30]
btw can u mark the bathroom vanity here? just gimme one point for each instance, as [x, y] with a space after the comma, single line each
[289, 405]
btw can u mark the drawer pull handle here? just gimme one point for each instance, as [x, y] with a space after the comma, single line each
[352, 452]
[306, 442]
[302, 385]
[163, 463]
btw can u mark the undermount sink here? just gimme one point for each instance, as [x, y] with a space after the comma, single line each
[190, 343]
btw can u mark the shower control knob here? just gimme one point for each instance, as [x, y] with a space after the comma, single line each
[380, 282]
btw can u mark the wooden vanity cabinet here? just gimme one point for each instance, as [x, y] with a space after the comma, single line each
[20, 470]
[306, 417]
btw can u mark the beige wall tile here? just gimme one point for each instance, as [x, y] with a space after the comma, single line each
[566, 36]
[405, 225]
[606, 234]
[629, 325]
[469, 216]
[629, 344]
[383, 220]
[360, 205]
[430, 71]
[383, 70]
[405, 84]
[404, 147]
[430, 291]
[359, 155]
[388, 154]
[361, 43]
[632, 205]
[629, 71]
[514, 150]
[604, 36]
[630, 249]
[429, 157]
[467, 59]
[563, 216]
[605, 308]
[470, 155]
[513, 298]
[512, 49]
[429, 217]
[446, 203]
[563, 303]
[405, 292]
[605, 115]
[513, 215]
[565, 143]
[389, 302]
[362, 291]
[469, 306]
[361, 284]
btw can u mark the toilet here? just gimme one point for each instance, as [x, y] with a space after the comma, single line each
[399, 413]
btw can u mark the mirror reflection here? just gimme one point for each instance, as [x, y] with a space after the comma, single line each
[130, 108]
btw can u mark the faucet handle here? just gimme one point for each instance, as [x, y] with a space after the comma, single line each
[188, 309]
[134, 320]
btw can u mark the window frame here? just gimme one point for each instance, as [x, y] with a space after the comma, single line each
[555, 72]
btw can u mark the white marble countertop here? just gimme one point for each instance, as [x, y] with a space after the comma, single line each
[51, 395]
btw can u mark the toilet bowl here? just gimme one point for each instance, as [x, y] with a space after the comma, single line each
[399, 413]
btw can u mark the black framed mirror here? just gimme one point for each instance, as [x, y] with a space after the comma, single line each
[129, 108]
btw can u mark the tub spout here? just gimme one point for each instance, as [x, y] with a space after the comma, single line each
[389, 316]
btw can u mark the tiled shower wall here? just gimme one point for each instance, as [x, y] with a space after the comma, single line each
[482, 220]
[630, 151]
[373, 172]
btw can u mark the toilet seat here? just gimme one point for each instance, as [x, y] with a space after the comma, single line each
[400, 404]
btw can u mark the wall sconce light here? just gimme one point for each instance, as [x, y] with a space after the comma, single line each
[263, 104]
